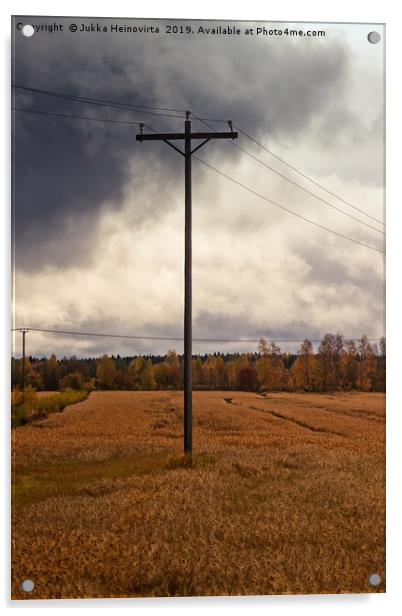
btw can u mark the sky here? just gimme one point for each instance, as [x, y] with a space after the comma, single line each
[99, 218]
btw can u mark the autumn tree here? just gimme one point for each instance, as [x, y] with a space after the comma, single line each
[263, 347]
[173, 363]
[208, 376]
[52, 373]
[33, 377]
[367, 365]
[263, 364]
[214, 372]
[243, 361]
[134, 373]
[305, 369]
[270, 368]
[348, 366]
[147, 376]
[106, 372]
[197, 373]
[162, 375]
[220, 378]
[328, 356]
[247, 378]
[71, 380]
[231, 374]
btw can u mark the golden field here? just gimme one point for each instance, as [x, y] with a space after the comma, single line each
[286, 495]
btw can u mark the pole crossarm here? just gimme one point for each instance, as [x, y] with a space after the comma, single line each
[187, 137]
[176, 136]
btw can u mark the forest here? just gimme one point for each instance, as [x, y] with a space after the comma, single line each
[336, 365]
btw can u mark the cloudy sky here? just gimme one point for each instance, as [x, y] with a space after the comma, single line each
[99, 218]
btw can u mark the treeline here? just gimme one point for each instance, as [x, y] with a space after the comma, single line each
[337, 365]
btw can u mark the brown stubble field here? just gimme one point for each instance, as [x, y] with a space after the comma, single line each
[286, 495]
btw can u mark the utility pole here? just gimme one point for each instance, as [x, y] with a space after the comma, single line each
[23, 331]
[187, 137]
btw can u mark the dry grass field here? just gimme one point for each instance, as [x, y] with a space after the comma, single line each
[286, 495]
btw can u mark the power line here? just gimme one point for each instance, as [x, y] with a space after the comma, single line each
[282, 207]
[295, 183]
[140, 111]
[76, 117]
[118, 105]
[114, 104]
[308, 191]
[170, 338]
[316, 224]
[99, 334]
[94, 100]
[308, 177]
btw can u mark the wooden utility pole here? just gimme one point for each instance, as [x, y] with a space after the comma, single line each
[188, 137]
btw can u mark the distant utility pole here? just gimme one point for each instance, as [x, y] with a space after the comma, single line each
[23, 331]
[187, 136]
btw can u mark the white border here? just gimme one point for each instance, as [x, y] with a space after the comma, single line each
[292, 10]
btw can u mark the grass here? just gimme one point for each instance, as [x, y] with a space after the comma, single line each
[40, 482]
[106, 505]
[58, 401]
[43, 481]
[31, 405]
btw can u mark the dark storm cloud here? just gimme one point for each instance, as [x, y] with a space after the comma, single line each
[63, 178]
[53, 186]
[66, 171]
